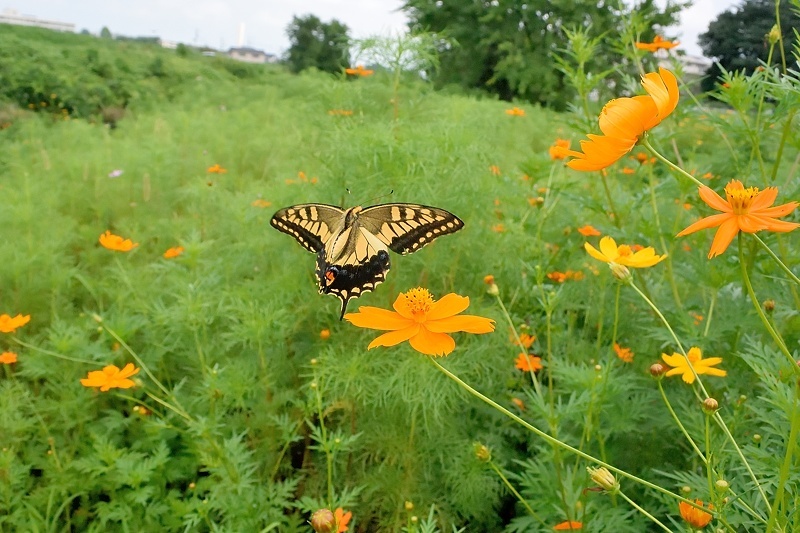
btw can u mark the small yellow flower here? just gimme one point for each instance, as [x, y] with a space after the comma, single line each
[681, 366]
[9, 324]
[623, 254]
[114, 242]
[111, 377]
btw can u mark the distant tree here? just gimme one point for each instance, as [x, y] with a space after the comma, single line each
[506, 46]
[737, 39]
[105, 33]
[314, 43]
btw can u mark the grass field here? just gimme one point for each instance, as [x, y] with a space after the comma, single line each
[247, 417]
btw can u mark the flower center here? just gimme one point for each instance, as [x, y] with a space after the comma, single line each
[740, 198]
[419, 301]
[623, 250]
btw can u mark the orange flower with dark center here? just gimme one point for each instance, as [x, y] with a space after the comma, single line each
[115, 242]
[173, 252]
[422, 321]
[216, 169]
[9, 324]
[528, 363]
[560, 149]
[8, 357]
[589, 231]
[359, 71]
[515, 112]
[111, 377]
[697, 518]
[342, 519]
[624, 121]
[745, 209]
[626, 354]
[658, 44]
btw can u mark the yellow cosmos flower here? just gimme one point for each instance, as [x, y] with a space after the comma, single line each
[9, 324]
[745, 209]
[683, 367]
[623, 254]
[422, 321]
[117, 243]
[697, 518]
[111, 377]
[624, 121]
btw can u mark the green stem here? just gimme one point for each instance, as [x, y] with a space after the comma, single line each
[616, 218]
[641, 510]
[680, 424]
[710, 313]
[534, 379]
[787, 128]
[709, 470]
[775, 335]
[553, 441]
[324, 443]
[776, 259]
[786, 466]
[644, 142]
[517, 494]
[670, 274]
[56, 355]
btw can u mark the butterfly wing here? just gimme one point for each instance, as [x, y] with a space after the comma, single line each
[405, 228]
[310, 224]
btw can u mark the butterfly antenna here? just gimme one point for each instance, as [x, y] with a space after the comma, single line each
[372, 201]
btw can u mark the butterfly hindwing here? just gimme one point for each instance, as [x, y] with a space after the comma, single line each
[310, 224]
[352, 246]
[405, 228]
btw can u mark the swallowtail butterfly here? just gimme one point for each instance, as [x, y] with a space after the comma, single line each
[352, 245]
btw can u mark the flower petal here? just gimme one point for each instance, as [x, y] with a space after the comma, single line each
[466, 323]
[675, 360]
[394, 337]
[600, 152]
[377, 318]
[609, 248]
[780, 226]
[448, 305]
[764, 199]
[777, 211]
[402, 306]
[725, 234]
[432, 343]
[714, 200]
[594, 252]
[708, 222]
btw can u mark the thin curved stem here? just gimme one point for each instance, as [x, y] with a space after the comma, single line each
[680, 424]
[56, 355]
[776, 259]
[641, 510]
[644, 142]
[516, 493]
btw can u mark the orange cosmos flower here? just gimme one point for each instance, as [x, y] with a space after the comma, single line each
[569, 525]
[261, 203]
[626, 354]
[589, 231]
[515, 112]
[658, 44]
[340, 112]
[624, 121]
[683, 367]
[528, 363]
[746, 210]
[359, 71]
[117, 243]
[519, 403]
[695, 517]
[216, 169]
[628, 170]
[557, 277]
[111, 377]
[173, 252]
[8, 358]
[623, 254]
[488, 279]
[9, 324]
[560, 149]
[325, 334]
[342, 519]
[494, 169]
[525, 340]
[422, 321]
[499, 228]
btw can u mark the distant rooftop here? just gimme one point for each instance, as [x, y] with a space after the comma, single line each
[12, 16]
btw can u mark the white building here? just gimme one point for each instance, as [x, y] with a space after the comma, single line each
[11, 16]
[694, 65]
[248, 55]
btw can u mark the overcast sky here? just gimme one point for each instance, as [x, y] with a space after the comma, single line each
[216, 23]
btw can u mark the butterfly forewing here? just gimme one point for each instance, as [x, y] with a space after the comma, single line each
[310, 224]
[405, 228]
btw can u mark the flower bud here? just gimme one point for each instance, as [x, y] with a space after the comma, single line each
[657, 370]
[686, 489]
[409, 506]
[710, 406]
[769, 305]
[603, 478]
[482, 452]
[756, 438]
[323, 521]
[488, 279]
[493, 290]
[721, 485]
[414, 519]
[774, 35]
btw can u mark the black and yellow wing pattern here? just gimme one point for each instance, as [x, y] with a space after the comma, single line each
[352, 245]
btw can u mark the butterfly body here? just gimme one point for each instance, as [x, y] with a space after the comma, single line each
[352, 245]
